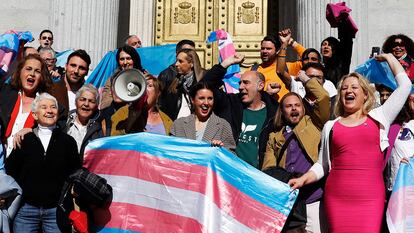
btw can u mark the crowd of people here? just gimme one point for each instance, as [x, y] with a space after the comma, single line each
[309, 116]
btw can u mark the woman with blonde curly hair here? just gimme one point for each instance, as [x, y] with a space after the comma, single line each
[351, 152]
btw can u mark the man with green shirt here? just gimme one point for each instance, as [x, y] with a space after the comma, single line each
[248, 112]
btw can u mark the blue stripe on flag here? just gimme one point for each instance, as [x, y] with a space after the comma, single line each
[405, 176]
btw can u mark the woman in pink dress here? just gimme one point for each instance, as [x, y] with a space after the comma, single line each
[352, 152]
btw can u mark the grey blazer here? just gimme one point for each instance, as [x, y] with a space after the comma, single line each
[217, 128]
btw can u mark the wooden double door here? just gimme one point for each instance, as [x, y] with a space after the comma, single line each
[244, 20]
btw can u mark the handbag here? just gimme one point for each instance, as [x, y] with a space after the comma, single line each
[90, 188]
[85, 188]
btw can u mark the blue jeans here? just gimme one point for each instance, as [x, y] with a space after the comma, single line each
[30, 219]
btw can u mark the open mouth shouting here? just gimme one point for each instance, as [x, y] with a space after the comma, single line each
[85, 110]
[30, 81]
[244, 96]
[294, 116]
[326, 51]
[349, 98]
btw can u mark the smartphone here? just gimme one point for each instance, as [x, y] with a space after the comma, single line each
[375, 51]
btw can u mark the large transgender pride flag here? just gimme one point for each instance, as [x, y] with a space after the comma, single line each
[400, 212]
[168, 184]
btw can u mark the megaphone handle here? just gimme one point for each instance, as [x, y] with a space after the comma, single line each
[137, 116]
[138, 105]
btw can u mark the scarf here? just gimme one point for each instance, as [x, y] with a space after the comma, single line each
[29, 121]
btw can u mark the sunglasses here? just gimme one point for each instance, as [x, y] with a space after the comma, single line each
[46, 38]
[400, 44]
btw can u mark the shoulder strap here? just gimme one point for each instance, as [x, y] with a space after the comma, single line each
[282, 150]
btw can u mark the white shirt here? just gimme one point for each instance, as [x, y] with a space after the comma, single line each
[78, 132]
[71, 98]
[45, 133]
[403, 147]
[18, 125]
[184, 108]
[298, 88]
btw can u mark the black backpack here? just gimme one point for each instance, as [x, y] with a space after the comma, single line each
[297, 216]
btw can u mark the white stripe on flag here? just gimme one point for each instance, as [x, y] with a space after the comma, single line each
[173, 200]
[225, 42]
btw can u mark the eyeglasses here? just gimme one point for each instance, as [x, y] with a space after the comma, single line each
[50, 60]
[46, 38]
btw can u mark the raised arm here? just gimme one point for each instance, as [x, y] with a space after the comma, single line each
[321, 109]
[215, 75]
[346, 43]
[297, 47]
[281, 69]
[294, 66]
[396, 101]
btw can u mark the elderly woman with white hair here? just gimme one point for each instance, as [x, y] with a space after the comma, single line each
[41, 165]
[84, 123]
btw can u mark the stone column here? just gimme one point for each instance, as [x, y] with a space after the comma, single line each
[311, 26]
[90, 25]
[141, 21]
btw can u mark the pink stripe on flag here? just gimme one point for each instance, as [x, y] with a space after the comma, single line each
[159, 170]
[230, 89]
[121, 218]
[227, 51]
[221, 34]
[400, 206]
